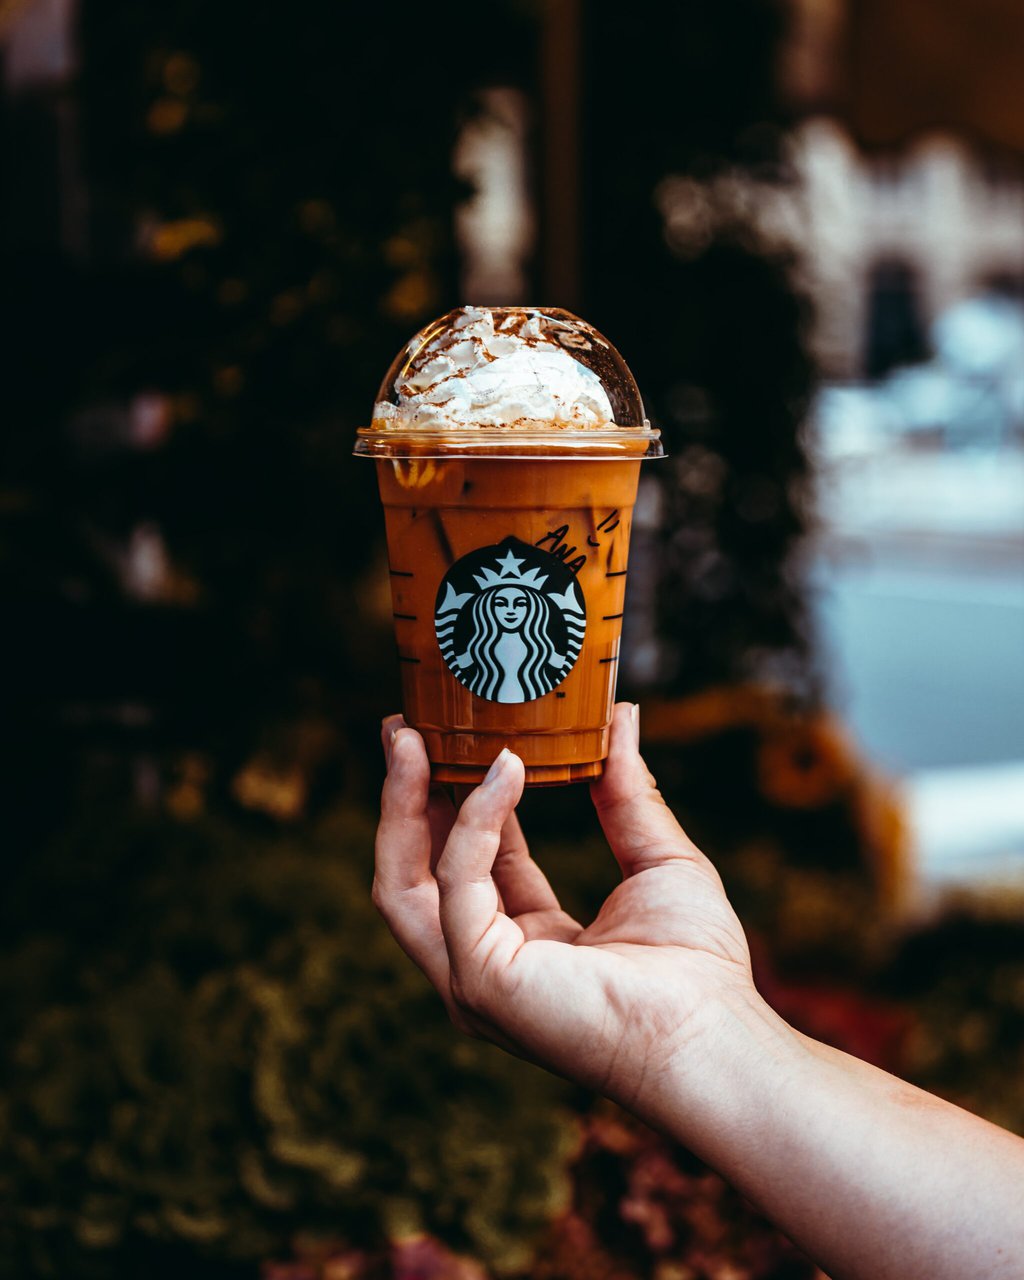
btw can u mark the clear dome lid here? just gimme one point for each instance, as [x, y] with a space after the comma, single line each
[508, 380]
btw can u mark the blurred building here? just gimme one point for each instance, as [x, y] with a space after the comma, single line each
[891, 242]
[883, 244]
[914, 200]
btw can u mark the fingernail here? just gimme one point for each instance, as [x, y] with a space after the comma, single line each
[391, 746]
[496, 768]
[634, 715]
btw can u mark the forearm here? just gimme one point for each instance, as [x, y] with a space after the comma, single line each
[875, 1179]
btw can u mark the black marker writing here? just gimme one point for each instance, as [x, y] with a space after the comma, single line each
[560, 550]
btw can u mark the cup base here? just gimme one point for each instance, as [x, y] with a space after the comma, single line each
[545, 775]
[550, 759]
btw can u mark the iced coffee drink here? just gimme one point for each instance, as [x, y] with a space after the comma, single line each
[508, 443]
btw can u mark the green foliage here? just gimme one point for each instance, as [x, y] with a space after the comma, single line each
[264, 214]
[229, 1046]
[641, 1208]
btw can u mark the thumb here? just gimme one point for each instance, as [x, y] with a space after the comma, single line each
[640, 827]
[472, 922]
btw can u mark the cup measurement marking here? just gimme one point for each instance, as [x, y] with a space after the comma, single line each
[619, 573]
[607, 617]
[400, 573]
[613, 517]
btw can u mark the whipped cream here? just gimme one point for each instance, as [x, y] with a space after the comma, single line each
[475, 374]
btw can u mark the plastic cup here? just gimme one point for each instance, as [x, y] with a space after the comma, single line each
[508, 555]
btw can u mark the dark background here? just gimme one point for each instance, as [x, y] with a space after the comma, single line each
[219, 224]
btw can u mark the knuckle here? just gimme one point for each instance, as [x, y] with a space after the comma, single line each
[450, 878]
[446, 879]
[629, 797]
[478, 832]
[477, 816]
[467, 995]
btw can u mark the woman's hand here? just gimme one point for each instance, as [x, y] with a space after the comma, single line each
[653, 1005]
[612, 1005]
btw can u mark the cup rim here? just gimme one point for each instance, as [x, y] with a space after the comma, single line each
[613, 443]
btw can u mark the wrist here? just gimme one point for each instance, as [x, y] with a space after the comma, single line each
[715, 1078]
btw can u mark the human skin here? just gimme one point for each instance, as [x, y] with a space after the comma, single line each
[653, 1005]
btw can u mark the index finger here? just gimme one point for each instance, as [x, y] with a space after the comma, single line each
[403, 835]
[404, 888]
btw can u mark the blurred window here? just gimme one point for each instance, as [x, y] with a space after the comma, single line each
[895, 332]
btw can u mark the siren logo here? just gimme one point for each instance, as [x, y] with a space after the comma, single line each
[510, 621]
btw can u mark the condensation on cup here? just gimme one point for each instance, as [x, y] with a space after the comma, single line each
[508, 444]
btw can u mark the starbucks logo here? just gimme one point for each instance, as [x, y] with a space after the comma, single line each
[510, 621]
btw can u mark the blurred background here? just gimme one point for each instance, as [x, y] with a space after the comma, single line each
[802, 223]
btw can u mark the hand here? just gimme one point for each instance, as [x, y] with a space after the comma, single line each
[612, 1005]
[653, 1005]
